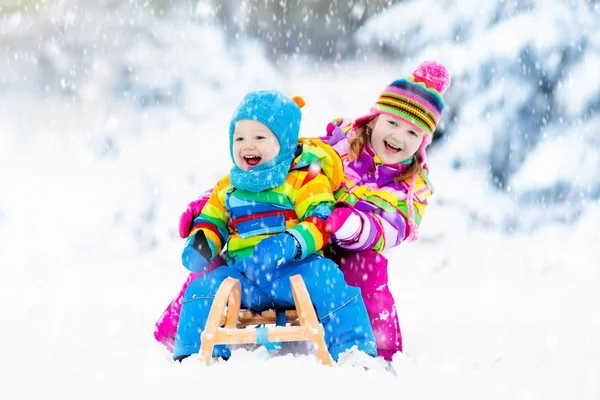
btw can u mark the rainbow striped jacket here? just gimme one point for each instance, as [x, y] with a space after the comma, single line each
[239, 219]
[369, 186]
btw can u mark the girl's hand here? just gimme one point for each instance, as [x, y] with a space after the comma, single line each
[186, 221]
[346, 226]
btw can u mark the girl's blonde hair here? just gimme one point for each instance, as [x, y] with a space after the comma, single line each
[357, 146]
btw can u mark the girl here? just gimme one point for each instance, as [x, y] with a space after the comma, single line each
[382, 199]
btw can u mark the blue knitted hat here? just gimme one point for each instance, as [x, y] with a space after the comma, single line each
[282, 116]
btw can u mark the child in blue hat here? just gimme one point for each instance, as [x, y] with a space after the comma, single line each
[270, 212]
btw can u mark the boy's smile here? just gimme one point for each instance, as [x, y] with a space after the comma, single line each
[252, 160]
[253, 144]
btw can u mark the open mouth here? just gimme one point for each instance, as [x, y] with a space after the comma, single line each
[252, 161]
[391, 147]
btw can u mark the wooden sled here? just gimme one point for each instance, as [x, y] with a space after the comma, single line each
[302, 323]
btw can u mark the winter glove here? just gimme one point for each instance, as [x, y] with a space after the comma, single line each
[186, 221]
[276, 250]
[196, 256]
[347, 227]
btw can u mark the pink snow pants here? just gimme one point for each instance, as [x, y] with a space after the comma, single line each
[365, 269]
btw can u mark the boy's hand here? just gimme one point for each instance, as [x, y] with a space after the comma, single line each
[196, 256]
[276, 250]
[345, 225]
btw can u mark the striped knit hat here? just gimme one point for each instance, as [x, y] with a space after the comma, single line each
[416, 99]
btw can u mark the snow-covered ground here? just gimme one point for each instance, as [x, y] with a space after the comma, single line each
[92, 185]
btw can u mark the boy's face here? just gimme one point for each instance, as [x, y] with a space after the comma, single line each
[393, 139]
[253, 144]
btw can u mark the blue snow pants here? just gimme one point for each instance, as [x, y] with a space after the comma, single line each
[340, 308]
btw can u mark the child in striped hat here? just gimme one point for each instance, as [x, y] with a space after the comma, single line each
[382, 199]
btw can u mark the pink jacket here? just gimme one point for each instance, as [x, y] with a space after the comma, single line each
[369, 187]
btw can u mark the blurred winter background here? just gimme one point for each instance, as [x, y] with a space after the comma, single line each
[113, 116]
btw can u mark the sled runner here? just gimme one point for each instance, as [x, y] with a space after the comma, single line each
[234, 326]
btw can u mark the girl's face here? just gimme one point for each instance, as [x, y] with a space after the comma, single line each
[253, 144]
[393, 139]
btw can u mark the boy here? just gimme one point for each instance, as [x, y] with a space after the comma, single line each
[271, 211]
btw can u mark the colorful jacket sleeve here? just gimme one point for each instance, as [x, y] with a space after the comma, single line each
[384, 215]
[212, 219]
[319, 170]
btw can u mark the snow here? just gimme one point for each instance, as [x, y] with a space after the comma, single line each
[92, 182]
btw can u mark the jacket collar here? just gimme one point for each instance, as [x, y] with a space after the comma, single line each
[369, 165]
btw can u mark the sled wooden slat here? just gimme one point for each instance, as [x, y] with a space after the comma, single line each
[233, 327]
[275, 334]
[246, 317]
